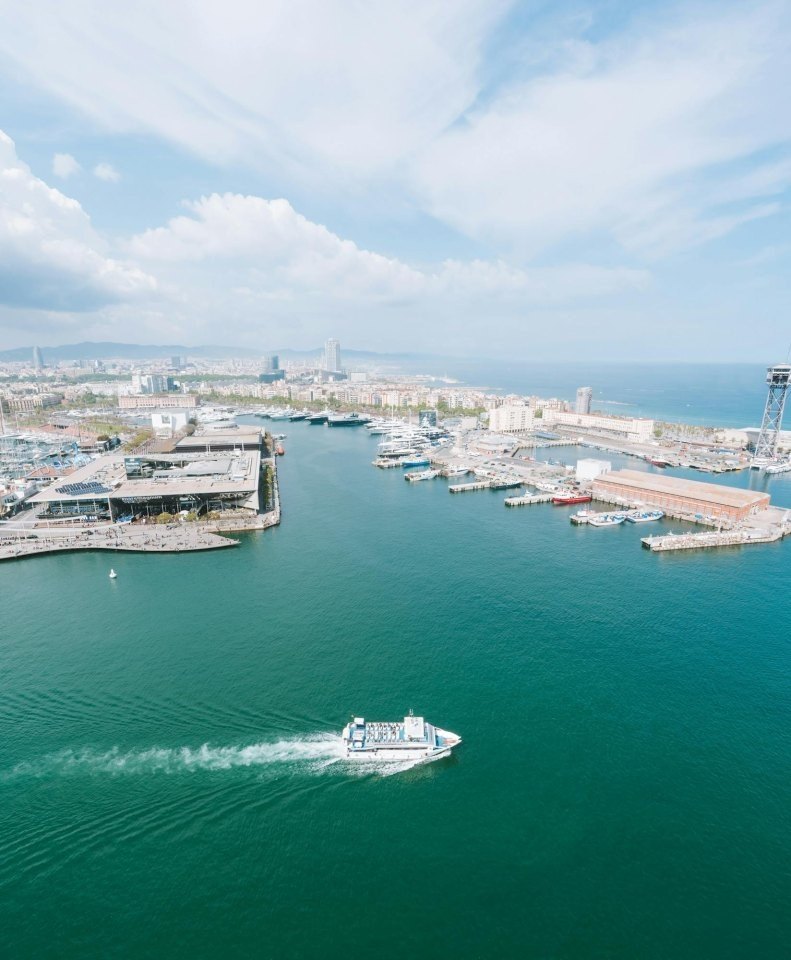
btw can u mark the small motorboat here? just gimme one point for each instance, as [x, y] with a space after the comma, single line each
[113, 574]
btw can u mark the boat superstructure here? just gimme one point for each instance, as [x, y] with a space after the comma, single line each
[413, 738]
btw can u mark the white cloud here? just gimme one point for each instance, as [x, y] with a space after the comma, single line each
[272, 251]
[50, 255]
[319, 85]
[253, 267]
[107, 172]
[64, 165]
[641, 138]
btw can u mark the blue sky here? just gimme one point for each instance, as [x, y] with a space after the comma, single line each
[518, 180]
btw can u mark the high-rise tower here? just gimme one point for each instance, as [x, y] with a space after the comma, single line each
[584, 397]
[38, 360]
[332, 356]
[779, 378]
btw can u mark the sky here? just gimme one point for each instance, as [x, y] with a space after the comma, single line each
[517, 180]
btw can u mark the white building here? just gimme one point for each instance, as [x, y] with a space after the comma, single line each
[168, 424]
[511, 418]
[332, 356]
[621, 428]
[590, 469]
[584, 398]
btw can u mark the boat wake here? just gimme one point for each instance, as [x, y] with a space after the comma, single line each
[311, 754]
[314, 754]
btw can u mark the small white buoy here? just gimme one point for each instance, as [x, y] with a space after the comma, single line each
[113, 574]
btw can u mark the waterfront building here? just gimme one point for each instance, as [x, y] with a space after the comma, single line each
[511, 418]
[679, 496]
[206, 475]
[156, 401]
[635, 429]
[332, 356]
[583, 402]
[26, 403]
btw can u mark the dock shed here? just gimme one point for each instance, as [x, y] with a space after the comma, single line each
[680, 496]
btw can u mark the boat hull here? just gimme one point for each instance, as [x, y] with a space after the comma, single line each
[390, 755]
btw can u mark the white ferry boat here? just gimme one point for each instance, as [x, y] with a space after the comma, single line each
[410, 739]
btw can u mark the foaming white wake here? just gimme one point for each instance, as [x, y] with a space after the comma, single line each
[310, 754]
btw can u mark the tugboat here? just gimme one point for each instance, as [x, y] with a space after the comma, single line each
[410, 739]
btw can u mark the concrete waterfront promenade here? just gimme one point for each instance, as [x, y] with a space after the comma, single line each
[129, 538]
[30, 539]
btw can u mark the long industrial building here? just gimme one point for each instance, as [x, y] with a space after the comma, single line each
[635, 429]
[680, 497]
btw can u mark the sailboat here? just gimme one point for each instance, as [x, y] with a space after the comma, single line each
[113, 574]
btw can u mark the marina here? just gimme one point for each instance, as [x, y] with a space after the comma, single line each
[248, 678]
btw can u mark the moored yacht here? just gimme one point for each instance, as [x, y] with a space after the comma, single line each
[607, 519]
[410, 739]
[644, 516]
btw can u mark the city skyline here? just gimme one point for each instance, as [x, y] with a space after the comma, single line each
[581, 182]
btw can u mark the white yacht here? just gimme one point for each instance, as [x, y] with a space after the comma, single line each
[410, 739]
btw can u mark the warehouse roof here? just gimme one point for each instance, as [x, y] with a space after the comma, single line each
[220, 439]
[680, 487]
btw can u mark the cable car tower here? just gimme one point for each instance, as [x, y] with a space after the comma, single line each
[779, 379]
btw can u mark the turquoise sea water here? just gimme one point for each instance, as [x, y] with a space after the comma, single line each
[169, 786]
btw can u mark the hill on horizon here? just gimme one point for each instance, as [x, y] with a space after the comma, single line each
[106, 350]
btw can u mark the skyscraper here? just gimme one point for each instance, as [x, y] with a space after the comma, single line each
[38, 360]
[584, 397]
[332, 356]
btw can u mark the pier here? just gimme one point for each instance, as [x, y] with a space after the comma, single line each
[709, 539]
[528, 499]
[494, 483]
[467, 487]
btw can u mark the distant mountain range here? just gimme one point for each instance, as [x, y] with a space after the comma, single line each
[107, 350]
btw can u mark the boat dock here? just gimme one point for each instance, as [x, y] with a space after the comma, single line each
[528, 499]
[467, 487]
[703, 541]
[494, 483]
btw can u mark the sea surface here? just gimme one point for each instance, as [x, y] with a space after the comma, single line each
[707, 394]
[170, 780]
